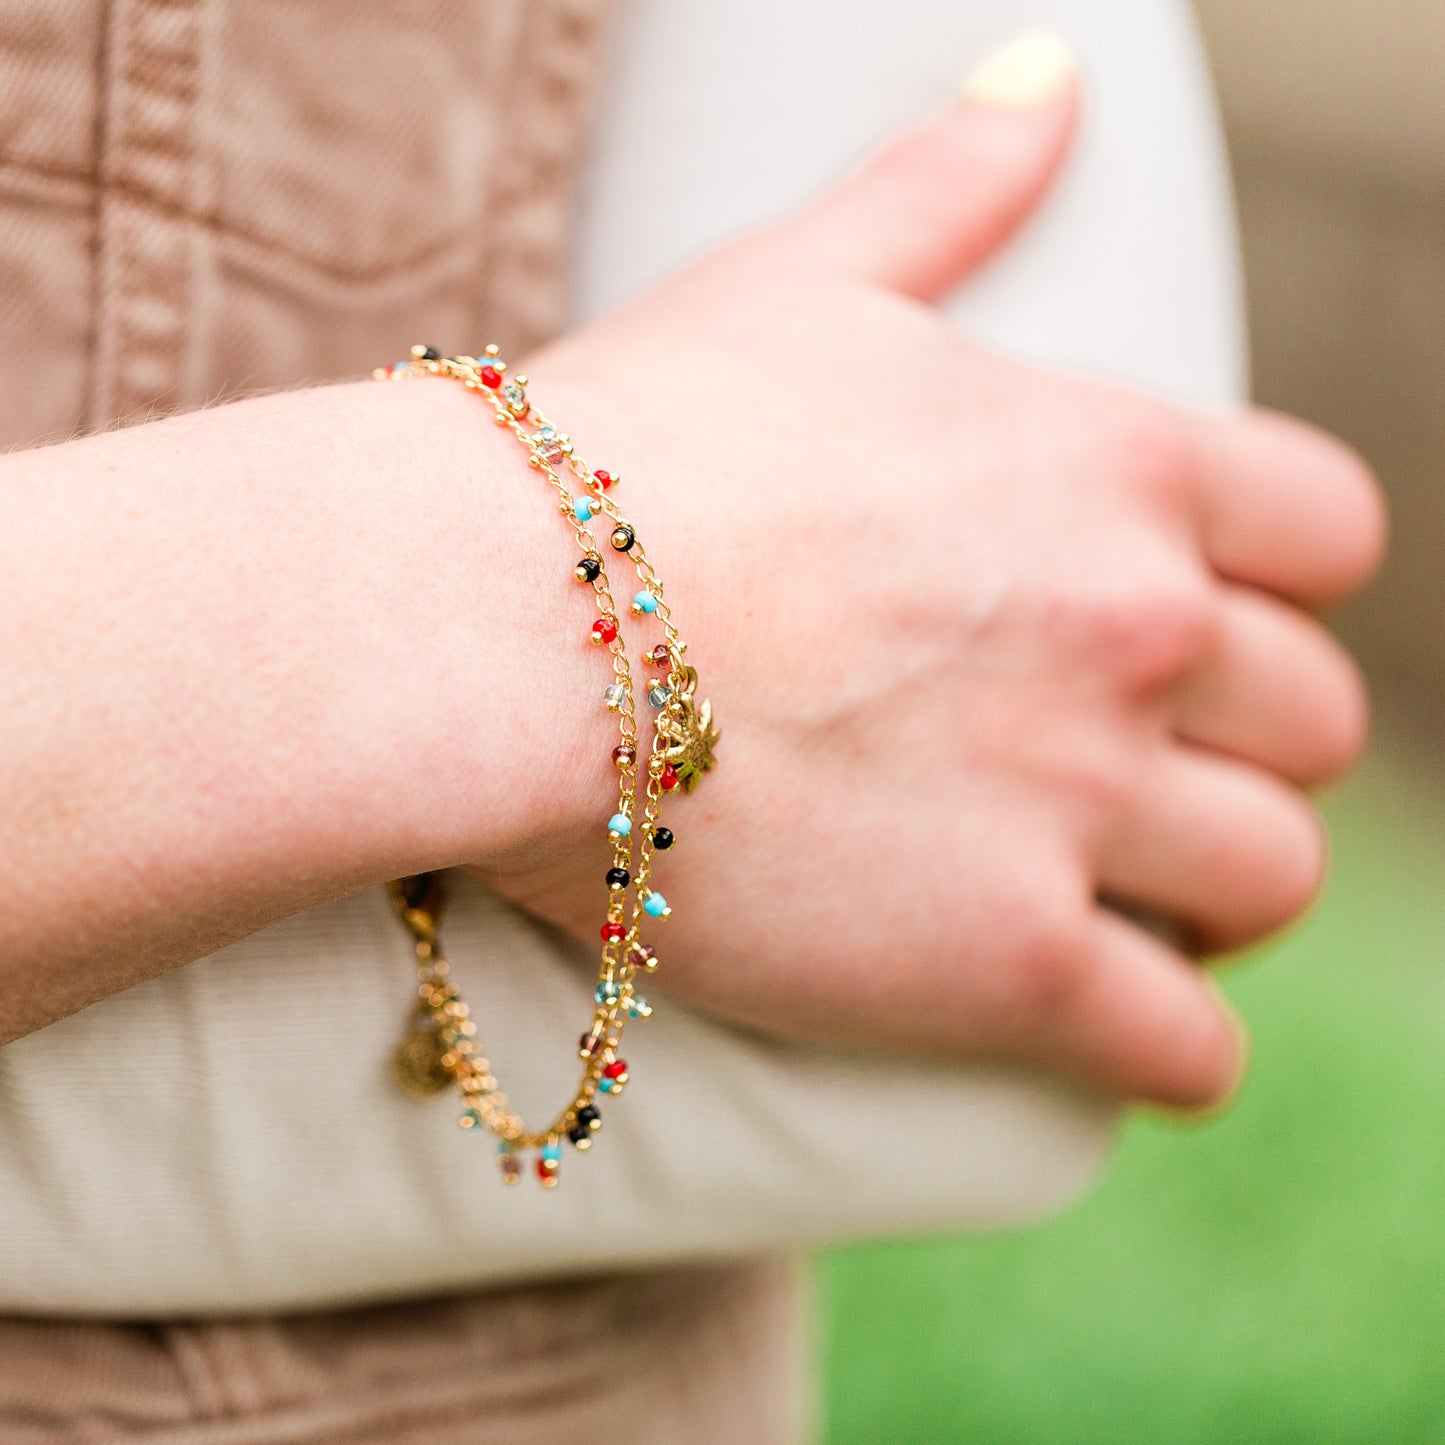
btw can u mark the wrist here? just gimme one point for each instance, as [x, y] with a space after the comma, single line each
[494, 725]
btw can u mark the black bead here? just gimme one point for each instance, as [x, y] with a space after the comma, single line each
[618, 878]
[589, 1117]
[430, 353]
[662, 838]
[623, 538]
[417, 890]
[588, 569]
[581, 1136]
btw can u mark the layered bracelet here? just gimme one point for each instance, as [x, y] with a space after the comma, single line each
[441, 1049]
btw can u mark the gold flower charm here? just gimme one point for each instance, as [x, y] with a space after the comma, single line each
[690, 734]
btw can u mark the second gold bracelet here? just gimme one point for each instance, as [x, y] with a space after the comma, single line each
[441, 1049]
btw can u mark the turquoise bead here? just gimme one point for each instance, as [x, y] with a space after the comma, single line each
[620, 824]
[655, 904]
[582, 509]
[638, 1007]
[608, 993]
[645, 602]
[551, 1152]
[607, 1085]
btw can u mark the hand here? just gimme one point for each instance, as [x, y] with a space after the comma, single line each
[1002, 658]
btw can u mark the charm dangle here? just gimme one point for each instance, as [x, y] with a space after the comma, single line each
[417, 1062]
[689, 734]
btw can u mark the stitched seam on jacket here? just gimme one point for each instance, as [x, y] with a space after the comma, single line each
[90, 398]
[264, 240]
[145, 263]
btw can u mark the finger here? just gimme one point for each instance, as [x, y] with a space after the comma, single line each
[1276, 690]
[1227, 849]
[1144, 1023]
[925, 210]
[1286, 507]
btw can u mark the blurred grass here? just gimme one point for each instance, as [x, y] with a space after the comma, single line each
[1277, 1275]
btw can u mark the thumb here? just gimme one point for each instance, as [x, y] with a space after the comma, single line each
[929, 207]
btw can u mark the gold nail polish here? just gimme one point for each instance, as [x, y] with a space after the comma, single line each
[1032, 69]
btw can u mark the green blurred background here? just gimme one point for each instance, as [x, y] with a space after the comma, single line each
[1274, 1275]
[1277, 1274]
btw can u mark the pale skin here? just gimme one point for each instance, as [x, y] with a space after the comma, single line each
[1004, 659]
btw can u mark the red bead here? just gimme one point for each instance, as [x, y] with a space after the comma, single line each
[603, 479]
[604, 630]
[615, 1070]
[546, 1171]
[669, 778]
[661, 655]
[613, 932]
[490, 376]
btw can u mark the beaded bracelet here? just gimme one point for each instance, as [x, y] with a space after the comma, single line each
[441, 1050]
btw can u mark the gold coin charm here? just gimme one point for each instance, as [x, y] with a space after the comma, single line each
[416, 1062]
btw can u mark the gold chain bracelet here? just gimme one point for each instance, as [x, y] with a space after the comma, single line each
[441, 1049]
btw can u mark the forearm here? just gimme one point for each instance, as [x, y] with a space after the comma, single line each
[262, 656]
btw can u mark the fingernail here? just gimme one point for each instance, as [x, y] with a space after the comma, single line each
[1030, 70]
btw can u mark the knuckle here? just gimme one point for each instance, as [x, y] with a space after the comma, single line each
[1145, 448]
[914, 158]
[927, 161]
[1050, 964]
[1156, 630]
[1102, 768]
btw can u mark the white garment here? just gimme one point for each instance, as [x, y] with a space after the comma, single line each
[226, 1138]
